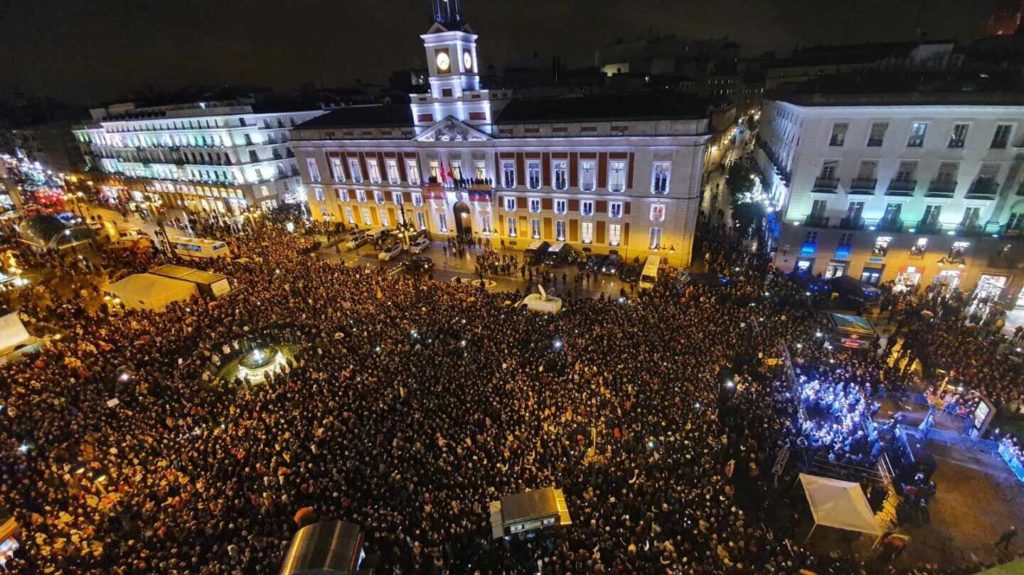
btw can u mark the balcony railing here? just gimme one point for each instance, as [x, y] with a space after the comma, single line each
[852, 223]
[970, 229]
[907, 186]
[826, 183]
[983, 187]
[889, 225]
[816, 221]
[941, 188]
[927, 227]
[864, 184]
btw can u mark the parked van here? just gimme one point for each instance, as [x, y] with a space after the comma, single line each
[535, 253]
[376, 234]
[200, 248]
[649, 275]
[560, 254]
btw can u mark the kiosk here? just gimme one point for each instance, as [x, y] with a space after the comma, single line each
[528, 511]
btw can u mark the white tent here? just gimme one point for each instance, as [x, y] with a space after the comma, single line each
[839, 504]
[12, 333]
[150, 292]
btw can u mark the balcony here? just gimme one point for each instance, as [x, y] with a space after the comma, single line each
[902, 187]
[863, 185]
[889, 225]
[941, 188]
[813, 221]
[928, 227]
[826, 184]
[970, 229]
[851, 223]
[983, 188]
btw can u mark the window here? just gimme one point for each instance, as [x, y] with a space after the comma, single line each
[1001, 138]
[510, 204]
[947, 173]
[417, 199]
[397, 198]
[374, 170]
[435, 171]
[854, 211]
[343, 195]
[881, 245]
[616, 175]
[385, 221]
[456, 169]
[355, 170]
[533, 175]
[442, 222]
[985, 183]
[535, 229]
[350, 215]
[560, 206]
[421, 221]
[534, 205]
[920, 247]
[361, 196]
[811, 238]
[838, 137]
[829, 169]
[662, 172]
[931, 216]
[338, 170]
[845, 240]
[588, 175]
[917, 134]
[480, 169]
[508, 174]
[867, 170]
[655, 238]
[614, 234]
[392, 167]
[560, 230]
[970, 219]
[413, 172]
[587, 232]
[877, 134]
[818, 208]
[658, 213]
[510, 226]
[587, 207]
[615, 209]
[264, 191]
[367, 219]
[906, 172]
[958, 137]
[559, 172]
[378, 196]
[314, 171]
[485, 223]
[319, 193]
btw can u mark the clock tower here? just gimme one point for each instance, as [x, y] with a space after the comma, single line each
[450, 48]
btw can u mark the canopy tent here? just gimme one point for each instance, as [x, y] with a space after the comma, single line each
[839, 504]
[12, 333]
[151, 292]
[210, 283]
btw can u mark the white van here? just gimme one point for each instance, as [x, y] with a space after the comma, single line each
[200, 248]
[649, 275]
[376, 234]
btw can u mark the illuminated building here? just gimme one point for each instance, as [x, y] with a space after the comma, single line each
[915, 188]
[614, 172]
[204, 156]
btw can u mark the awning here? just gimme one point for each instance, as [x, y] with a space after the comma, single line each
[839, 504]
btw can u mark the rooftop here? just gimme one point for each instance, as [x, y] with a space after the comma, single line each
[600, 108]
[362, 117]
[907, 88]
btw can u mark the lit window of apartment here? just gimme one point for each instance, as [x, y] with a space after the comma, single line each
[560, 230]
[588, 175]
[510, 204]
[655, 238]
[658, 212]
[456, 169]
[361, 196]
[508, 174]
[421, 221]
[337, 170]
[510, 226]
[660, 178]
[533, 175]
[560, 174]
[534, 205]
[442, 222]
[385, 220]
[350, 215]
[314, 171]
[378, 196]
[435, 170]
[958, 136]
[374, 169]
[397, 198]
[342, 195]
[876, 137]
[587, 232]
[355, 170]
[614, 234]
[616, 175]
[480, 169]
[615, 209]
[587, 207]
[417, 199]
[838, 137]
[392, 167]
[918, 130]
[319, 193]
[535, 229]
[412, 168]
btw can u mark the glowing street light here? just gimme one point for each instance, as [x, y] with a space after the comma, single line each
[557, 344]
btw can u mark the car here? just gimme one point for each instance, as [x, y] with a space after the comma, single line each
[852, 289]
[611, 264]
[707, 279]
[357, 241]
[389, 252]
[629, 273]
[419, 245]
[809, 284]
[419, 265]
[594, 262]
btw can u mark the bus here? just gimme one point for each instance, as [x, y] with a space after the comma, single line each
[200, 248]
[649, 275]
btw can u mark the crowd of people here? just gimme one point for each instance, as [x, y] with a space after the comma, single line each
[410, 406]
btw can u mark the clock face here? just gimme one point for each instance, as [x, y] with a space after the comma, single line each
[443, 62]
[467, 60]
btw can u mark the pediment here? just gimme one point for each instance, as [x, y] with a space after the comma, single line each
[452, 129]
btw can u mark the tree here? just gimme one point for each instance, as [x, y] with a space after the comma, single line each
[747, 210]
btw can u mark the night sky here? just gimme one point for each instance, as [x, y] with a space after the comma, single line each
[89, 50]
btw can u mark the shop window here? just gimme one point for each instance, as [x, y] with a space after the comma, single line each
[920, 247]
[881, 246]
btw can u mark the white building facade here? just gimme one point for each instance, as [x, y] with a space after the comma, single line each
[618, 173]
[205, 157]
[886, 189]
